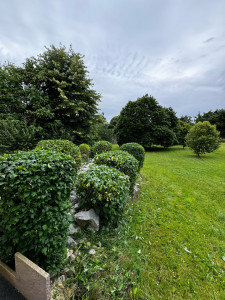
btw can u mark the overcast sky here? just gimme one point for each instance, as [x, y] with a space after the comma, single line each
[173, 50]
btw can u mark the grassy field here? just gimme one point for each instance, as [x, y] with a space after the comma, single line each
[172, 245]
[178, 225]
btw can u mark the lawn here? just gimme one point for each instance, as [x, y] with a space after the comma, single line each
[178, 245]
[172, 245]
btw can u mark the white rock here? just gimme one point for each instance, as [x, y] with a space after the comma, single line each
[92, 251]
[71, 241]
[85, 217]
[73, 229]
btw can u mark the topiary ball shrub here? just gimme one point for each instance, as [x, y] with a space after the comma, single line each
[35, 190]
[100, 147]
[105, 190]
[62, 146]
[136, 150]
[85, 151]
[203, 138]
[121, 160]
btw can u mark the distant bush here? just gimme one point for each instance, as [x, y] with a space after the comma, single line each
[63, 146]
[136, 150]
[100, 147]
[121, 160]
[35, 192]
[85, 151]
[203, 138]
[115, 147]
[105, 190]
[17, 135]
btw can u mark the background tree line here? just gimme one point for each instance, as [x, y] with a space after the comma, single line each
[52, 97]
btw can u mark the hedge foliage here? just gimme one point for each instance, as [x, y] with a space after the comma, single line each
[63, 146]
[100, 147]
[121, 160]
[35, 192]
[136, 150]
[106, 190]
[85, 151]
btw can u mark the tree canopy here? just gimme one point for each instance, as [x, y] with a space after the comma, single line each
[52, 89]
[216, 117]
[145, 122]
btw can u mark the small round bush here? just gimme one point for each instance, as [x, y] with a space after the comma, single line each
[105, 190]
[85, 151]
[136, 150]
[100, 147]
[203, 138]
[121, 160]
[62, 146]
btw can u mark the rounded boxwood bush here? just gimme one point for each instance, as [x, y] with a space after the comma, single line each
[136, 150]
[85, 151]
[121, 160]
[62, 146]
[105, 190]
[100, 147]
[35, 190]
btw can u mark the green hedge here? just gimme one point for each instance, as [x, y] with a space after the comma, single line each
[136, 150]
[100, 147]
[121, 160]
[62, 146]
[35, 192]
[105, 190]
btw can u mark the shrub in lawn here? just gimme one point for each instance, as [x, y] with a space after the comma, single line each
[136, 150]
[105, 190]
[203, 138]
[121, 160]
[85, 151]
[100, 147]
[62, 146]
[35, 192]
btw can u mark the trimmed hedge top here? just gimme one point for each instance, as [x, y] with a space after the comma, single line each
[121, 160]
[62, 146]
[106, 190]
[100, 147]
[136, 150]
[35, 190]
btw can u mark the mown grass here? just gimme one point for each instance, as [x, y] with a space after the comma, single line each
[172, 245]
[178, 250]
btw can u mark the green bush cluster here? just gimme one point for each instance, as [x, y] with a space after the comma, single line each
[121, 160]
[106, 190]
[35, 190]
[17, 135]
[63, 146]
[136, 150]
[100, 147]
[85, 151]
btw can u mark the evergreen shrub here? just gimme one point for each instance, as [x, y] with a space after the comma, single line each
[85, 151]
[35, 192]
[136, 150]
[121, 160]
[100, 147]
[63, 146]
[105, 190]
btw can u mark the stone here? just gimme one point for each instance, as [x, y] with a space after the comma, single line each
[87, 217]
[76, 206]
[73, 229]
[71, 241]
[92, 251]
